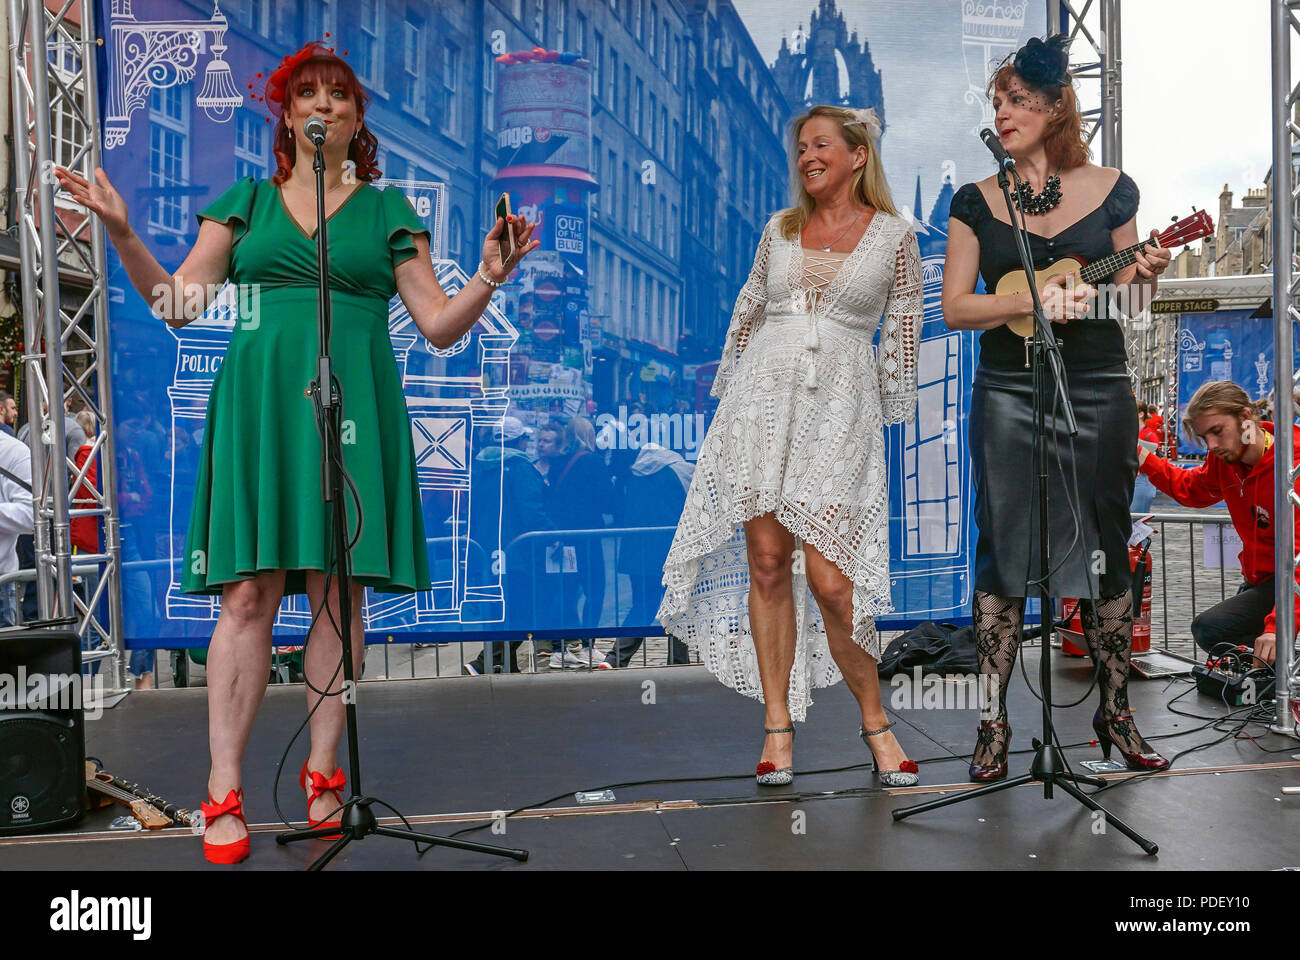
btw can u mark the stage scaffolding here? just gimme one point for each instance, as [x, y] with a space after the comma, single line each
[52, 61]
[1286, 133]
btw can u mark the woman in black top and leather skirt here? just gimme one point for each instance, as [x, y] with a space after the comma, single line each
[1075, 209]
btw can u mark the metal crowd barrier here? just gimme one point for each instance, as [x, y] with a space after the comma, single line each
[619, 618]
[1181, 620]
[398, 658]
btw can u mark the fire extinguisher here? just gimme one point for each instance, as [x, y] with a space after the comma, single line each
[1139, 561]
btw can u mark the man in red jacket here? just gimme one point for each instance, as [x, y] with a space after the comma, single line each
[1238, 470]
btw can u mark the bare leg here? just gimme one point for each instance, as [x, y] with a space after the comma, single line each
[321, 662]
[770, 547]
[833, 592]
[239, 665]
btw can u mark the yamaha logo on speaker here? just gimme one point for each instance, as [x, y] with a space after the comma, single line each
[19, 806]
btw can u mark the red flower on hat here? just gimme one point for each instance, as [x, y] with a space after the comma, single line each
[279, 78]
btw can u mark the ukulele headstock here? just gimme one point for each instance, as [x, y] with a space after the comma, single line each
[1184, 231]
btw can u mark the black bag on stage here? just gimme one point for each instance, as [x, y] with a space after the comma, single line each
[937, 648]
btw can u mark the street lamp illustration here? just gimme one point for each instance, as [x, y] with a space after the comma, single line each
[989, 31]
[163, 53]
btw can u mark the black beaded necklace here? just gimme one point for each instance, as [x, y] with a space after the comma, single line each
[1032, 204]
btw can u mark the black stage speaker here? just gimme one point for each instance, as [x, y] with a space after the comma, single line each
[42, 736]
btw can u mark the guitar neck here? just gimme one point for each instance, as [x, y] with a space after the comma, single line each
[1099, 270]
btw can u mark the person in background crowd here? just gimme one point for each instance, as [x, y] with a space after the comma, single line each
[1143, 491]
[84, 534]
[1154, 431]
[507, 490]
[8, 413]
[653, 494]
[85, 530]
[73, 436]
[575, 480]
[1238, 471]
[15, 518]
[580, 434]
[550, 441]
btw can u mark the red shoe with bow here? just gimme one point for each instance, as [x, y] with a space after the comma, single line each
[320, 784]
[233, 806]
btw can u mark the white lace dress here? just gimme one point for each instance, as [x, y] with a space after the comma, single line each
[799, 432]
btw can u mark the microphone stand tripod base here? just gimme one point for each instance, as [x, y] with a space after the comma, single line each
[359, 822]
[1048, 769]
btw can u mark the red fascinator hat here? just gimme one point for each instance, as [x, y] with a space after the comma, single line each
[316, 63]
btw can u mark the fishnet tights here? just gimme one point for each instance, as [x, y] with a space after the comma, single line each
[1108, 630]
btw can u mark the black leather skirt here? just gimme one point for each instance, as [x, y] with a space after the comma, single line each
[1101, 461]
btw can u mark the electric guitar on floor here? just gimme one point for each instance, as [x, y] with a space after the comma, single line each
[1184, 231]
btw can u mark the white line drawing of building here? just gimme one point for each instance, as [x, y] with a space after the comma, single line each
[933, 472]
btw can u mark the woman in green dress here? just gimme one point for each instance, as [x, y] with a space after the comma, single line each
[259, 527]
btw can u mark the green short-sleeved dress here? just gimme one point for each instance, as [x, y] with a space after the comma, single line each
[257, 497]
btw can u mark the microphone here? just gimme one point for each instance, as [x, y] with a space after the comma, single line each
[314, 129]
[999, 152]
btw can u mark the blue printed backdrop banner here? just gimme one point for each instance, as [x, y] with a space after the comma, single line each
[651, 145]
[1224, 345]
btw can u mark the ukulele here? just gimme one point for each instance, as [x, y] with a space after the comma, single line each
[1182, 232]
[150, 817]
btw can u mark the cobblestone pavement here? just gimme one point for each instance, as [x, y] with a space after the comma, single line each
[1182, 586]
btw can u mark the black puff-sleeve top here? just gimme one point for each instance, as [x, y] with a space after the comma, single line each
[1090, 343]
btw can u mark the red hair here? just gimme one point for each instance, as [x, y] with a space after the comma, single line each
[315, 64]
[1063, 140]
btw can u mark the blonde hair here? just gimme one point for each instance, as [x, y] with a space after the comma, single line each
[859, 128]
[1217, 396]
[579, 432]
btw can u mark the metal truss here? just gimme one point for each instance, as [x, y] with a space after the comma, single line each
[1094, 30]
[1286, 297]
[52, 68]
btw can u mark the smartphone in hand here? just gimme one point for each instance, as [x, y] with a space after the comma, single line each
[507, 240]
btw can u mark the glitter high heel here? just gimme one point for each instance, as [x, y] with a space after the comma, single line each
[766, 772]
[907, 774]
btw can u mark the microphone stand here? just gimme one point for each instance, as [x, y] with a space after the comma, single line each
[358, 819]
[1048, 765]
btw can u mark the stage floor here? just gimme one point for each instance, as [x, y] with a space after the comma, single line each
[450, 752]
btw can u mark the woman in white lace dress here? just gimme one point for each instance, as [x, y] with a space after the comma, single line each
[781, 558]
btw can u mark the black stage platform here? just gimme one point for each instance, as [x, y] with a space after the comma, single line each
[448, 753]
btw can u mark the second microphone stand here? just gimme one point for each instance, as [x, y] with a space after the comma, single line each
[1048, 766]
[358, 819]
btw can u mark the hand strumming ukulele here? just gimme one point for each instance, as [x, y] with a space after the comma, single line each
[1184, 231]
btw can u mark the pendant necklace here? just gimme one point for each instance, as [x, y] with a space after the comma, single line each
[827, 248]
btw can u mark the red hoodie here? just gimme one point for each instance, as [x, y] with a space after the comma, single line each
[1154, 431]
[1248, 492]
[1151, 429]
